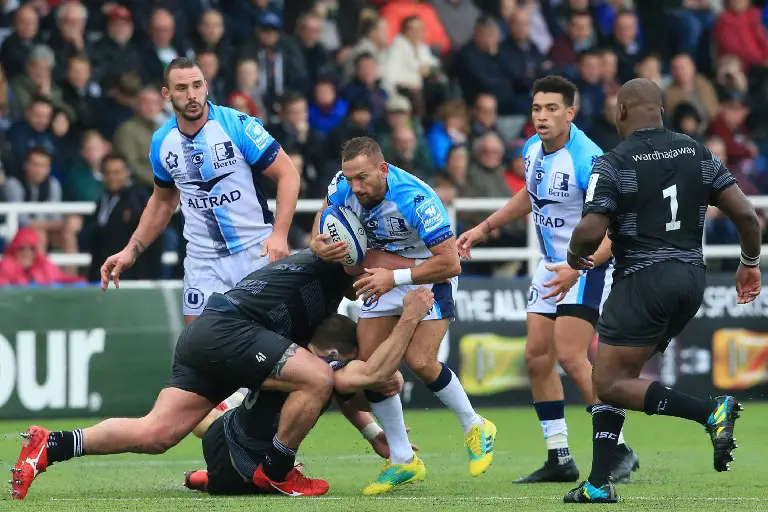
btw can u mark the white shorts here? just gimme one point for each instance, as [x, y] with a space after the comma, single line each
[204, 276]
[590, 290]
[391, 303]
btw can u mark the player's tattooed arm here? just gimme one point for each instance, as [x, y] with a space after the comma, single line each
[137, 247]
[289, 353]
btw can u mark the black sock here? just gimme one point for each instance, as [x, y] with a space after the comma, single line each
[279, 461]
[606, 425]
[65, 445]
[665, 401]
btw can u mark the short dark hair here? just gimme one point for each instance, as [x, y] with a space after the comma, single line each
[291, 97]
[580, 14]
[179, 63]
[39, 99]
[80, 56]
[112, 157]
[38, 150]
[556, 84]
[363, 56]
[361, 146]
[336, 332]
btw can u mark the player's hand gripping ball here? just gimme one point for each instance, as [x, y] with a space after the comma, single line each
[341, 225]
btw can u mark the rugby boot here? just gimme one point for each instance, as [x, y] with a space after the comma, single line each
[295, 484]
[720, 427]
[625, 461]
[395, 475]
[33, 460]
[197, 480]
[588, 493]
[551, 471]
[479, 442]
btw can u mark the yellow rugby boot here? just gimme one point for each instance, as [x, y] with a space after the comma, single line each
[395, 475]
[479, 443]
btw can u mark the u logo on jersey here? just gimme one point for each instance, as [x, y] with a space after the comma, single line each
[193, 298]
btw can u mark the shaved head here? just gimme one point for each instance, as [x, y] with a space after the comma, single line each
[640, 105]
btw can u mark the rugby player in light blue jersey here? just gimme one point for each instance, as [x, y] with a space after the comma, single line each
[563, 304]
[403, 215]
[212, 159]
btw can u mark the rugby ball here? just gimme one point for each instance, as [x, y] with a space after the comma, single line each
[343, 225]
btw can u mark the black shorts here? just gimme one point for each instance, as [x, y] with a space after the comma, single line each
[222, 476]
[219, 353]
[652, 305]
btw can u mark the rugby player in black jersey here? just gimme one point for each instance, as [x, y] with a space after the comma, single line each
[651, 194]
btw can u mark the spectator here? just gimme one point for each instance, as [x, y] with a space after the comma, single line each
[375, 41]
[366, 85]
[409, 63]
[687, 119]
[739, 31]
[134, 136]
[485, 116]
[69, 38]
[405, 156]
[116, 218]
[730, 77]
[591, 91]
[450, 128]
[740, 171]
[82, 94]
[209, 65]
[458, 17]
[326, 110]
[114, 53]
[609, 70]
[39, 82]
[292, 130]
[118, 105]
[5, 103]
[481, 68]
[316, 56]
[84, 178]
[695, 21]
[525, 59]
[453, 179]
[691, 87]
[210, 36]
[248, 81]
[515, 174]
[25, 263]
[243, 15]
[397, 12]
[162, 46]
[33, 130]
[729, 126]
[281, 64]
[649, 68]
[626, 45]
[580, 37]
[243, 103]
[399, 114]
[357, 124]
[485, 176]
[38, 186]
[16, 48]
[603, 131]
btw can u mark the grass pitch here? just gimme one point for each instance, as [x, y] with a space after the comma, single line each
[675, 456]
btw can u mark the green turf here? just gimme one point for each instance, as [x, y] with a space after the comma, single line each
[676, 470]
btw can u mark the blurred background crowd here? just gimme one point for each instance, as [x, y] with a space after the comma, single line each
[443, 85]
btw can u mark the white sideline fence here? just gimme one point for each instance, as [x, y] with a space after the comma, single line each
[529, 253]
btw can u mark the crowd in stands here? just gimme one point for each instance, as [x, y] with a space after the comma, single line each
[443, 85]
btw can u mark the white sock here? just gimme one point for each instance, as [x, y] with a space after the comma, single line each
[455, 398]
[390, 414]
[621, 438]
[556, 436]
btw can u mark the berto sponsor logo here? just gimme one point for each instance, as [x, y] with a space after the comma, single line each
[224, 155]
[559, 185]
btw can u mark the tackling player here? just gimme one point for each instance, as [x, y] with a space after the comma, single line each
[236, 443]
[213, 158]
[243, 339]
[403, 215]
[563, 305]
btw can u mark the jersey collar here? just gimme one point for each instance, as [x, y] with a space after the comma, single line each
[571, 136]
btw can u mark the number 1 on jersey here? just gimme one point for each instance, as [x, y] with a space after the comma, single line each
[671, 192]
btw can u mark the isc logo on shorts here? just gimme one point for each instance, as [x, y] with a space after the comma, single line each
[193, 298]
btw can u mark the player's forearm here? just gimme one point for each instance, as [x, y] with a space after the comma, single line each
[750, 237]
[387, 358]
[587, 236]
[153, 221]
[359, 419]
[735, 205]
[604, 252]
[288, 187]
[516, 208]
[436, 269]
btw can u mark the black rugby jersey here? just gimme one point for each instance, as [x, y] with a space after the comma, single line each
[656, 186]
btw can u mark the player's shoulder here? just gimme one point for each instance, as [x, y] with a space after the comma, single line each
[532, 143]
[403, 185]
[162, 133]
[227, 114]
[582, 148]
[339, 187]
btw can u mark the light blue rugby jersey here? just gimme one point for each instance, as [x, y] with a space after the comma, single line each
[218, 172]
[409, 220]
[556, 183]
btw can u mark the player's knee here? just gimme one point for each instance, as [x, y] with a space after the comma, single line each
[538, 359]
[574, 363]
[606, 389]
[420, 364]
[158, 439]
